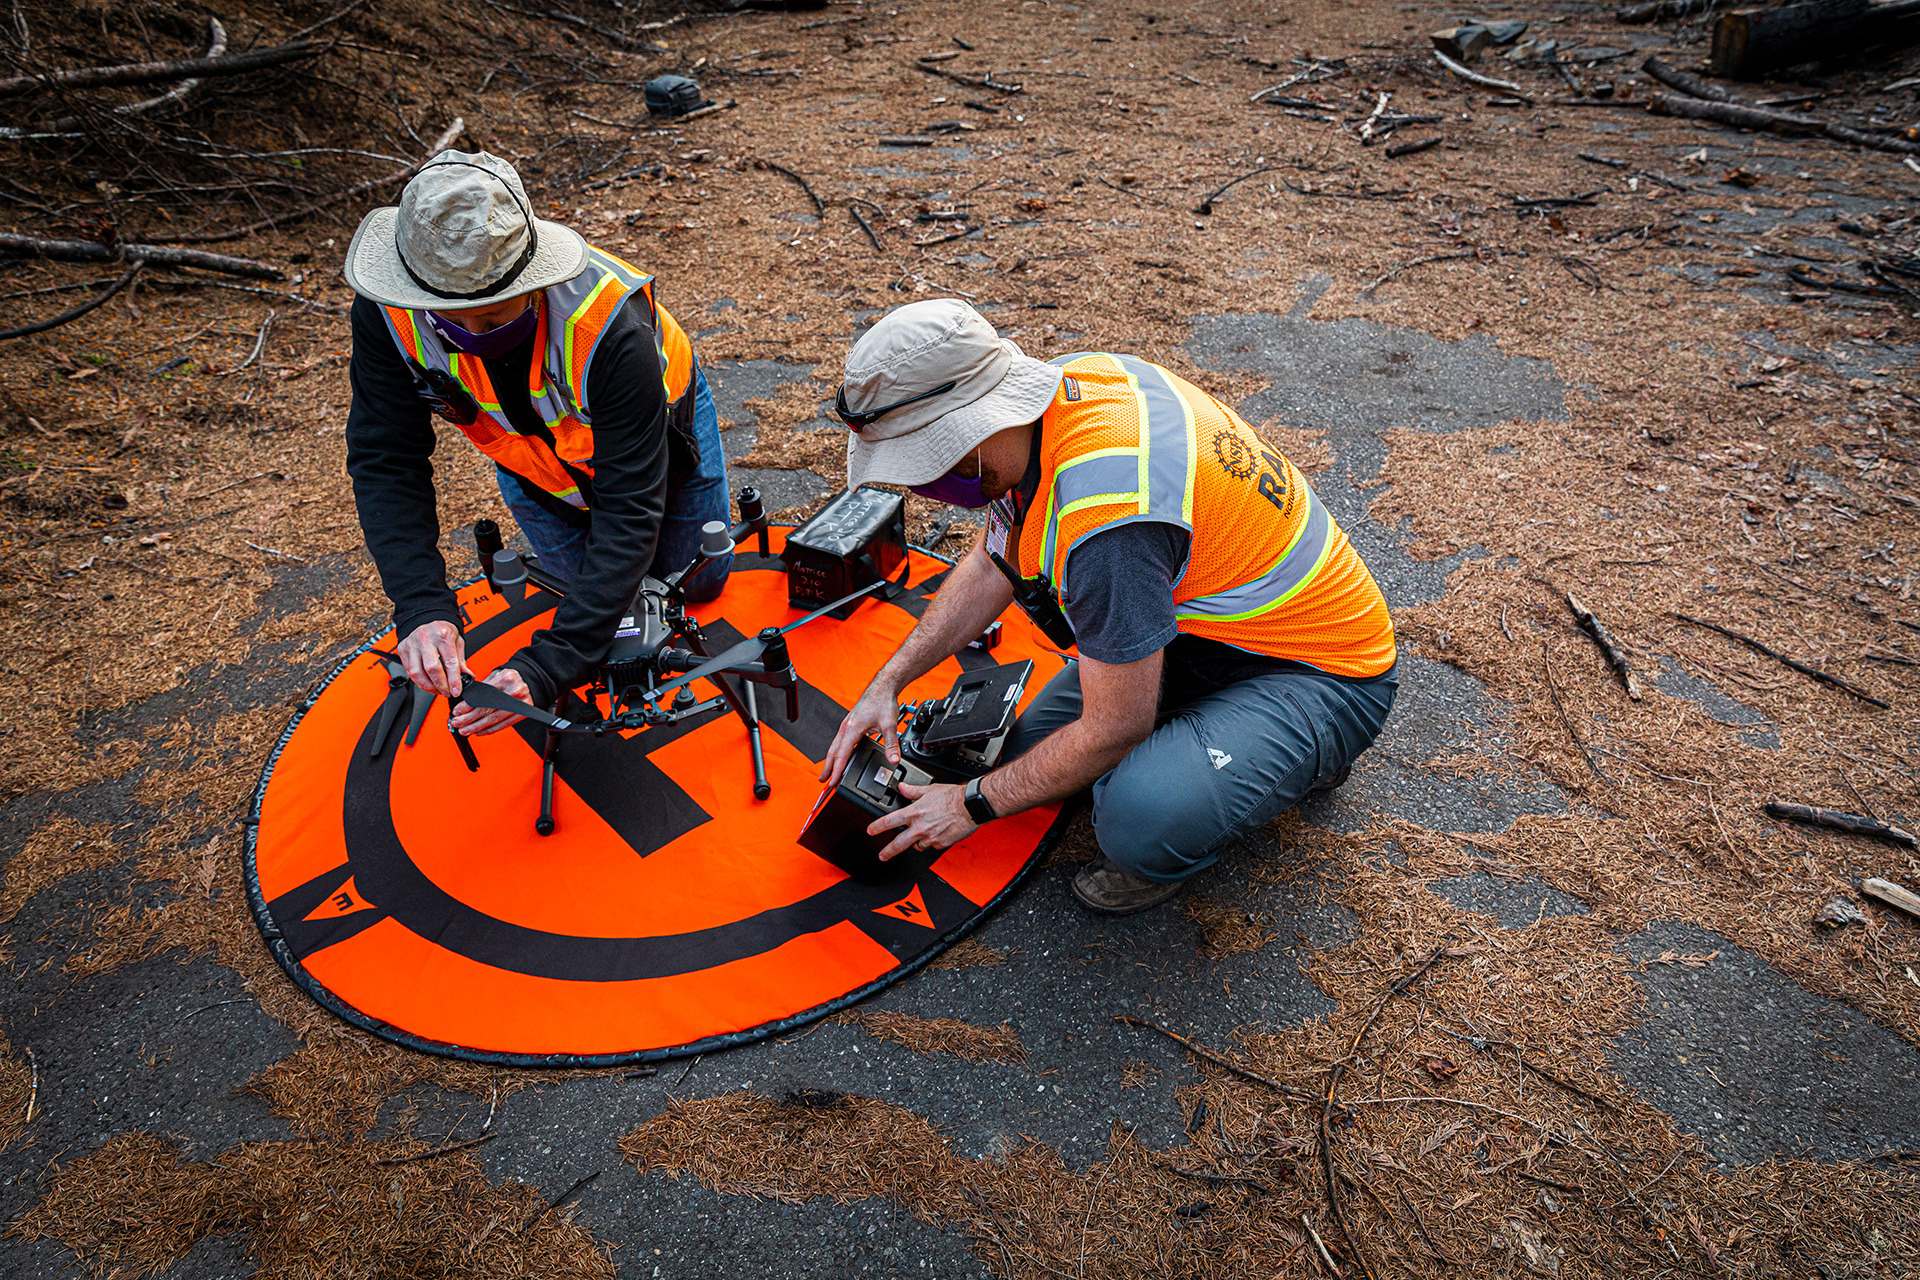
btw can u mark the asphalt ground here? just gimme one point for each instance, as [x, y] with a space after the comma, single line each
[1735, 1052]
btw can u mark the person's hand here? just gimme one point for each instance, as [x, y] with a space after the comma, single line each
[936, 819]
[434, 654]
[479, 721]
[877, 712]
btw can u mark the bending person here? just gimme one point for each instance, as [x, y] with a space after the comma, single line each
[556, 361]
[1235, 654]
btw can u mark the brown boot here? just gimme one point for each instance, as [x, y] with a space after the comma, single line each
[1106, 890]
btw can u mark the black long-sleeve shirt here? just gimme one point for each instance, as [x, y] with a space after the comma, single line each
[640, 459]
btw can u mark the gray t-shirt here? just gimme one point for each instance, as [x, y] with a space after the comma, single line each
[1119, 594]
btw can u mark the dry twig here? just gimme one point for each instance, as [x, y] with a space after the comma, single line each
[1609, 648]
[1834, 681]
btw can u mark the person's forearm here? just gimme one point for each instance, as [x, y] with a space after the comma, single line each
[1057, 766]
[974, 594]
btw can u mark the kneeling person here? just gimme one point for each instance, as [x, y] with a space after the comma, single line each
[557, 363]
[1235, 654]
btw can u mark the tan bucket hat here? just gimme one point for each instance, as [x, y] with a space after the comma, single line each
[943, 382]
[463, 235]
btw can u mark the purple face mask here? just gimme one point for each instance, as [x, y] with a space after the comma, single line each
[494, 342]
[955, 491]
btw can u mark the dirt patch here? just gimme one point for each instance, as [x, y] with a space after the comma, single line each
[969, 953]
[939, 1035]
[57, 850]
[1226, 929]
[135, 1207]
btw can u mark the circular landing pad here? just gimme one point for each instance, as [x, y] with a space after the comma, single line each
[669, 912]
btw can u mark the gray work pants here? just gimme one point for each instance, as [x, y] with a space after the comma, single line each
[1222, 765]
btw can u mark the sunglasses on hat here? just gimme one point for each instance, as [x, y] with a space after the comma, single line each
[855, 421]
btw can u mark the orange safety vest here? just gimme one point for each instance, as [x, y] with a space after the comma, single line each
[1268, 570]
[557, 382]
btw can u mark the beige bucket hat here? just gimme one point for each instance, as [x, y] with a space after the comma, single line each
[944, 382]
[463, 235]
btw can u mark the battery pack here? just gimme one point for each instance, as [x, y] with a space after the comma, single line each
[869, 789]
[856, 540]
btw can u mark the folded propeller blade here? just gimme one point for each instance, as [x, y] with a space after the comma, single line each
[389, 711]
[478, 694]
[422, 703]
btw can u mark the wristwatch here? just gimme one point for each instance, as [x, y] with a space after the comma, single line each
[979, 808]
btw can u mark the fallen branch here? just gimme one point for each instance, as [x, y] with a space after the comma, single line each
[259, 345]
[1373, 118]
[1762, 119]
[1834, 681]
[149, 254]
[438, 1151]
[1608, 648]
[75, 313]
[1553, 690]
[819, 205]
[867, 226]
[284, 555]
[154, 72]
[216, 45]
[1892, 894]
[440, 144]
[707, 110]
[972, 82]
[1219, 1060]
[1474, 77]
[1691, 85]
[1391, 272]
[1835, 820]
[558, 1200]
[1399, 149]
[1206, 202]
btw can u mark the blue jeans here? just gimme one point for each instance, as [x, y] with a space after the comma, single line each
[1223, 765]
[561, 547]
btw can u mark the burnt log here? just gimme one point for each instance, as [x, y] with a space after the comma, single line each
[1749, 43]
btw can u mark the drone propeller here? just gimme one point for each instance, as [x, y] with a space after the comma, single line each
[750, 649]
[480, 694]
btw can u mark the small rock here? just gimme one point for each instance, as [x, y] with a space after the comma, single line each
[1463, 43]
[1505, 31]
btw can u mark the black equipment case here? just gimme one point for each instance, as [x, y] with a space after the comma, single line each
[857, 539]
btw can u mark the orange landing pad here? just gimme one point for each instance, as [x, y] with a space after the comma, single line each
[669, 913]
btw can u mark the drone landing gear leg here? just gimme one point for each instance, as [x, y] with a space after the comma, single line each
[761, 787]
[749, 712]
[544, 823]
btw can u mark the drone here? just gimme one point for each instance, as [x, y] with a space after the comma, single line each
[658, 652]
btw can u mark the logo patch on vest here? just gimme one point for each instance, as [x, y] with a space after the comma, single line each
[1220, 758]
[1235, 456]
[1071, 387]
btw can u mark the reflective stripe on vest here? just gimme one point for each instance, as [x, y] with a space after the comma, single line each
[1155, 476]
[1297, 566]
[1268, 568]
[573, 318]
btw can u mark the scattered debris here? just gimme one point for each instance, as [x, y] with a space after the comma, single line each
[1838, 914]
[1465, 43]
